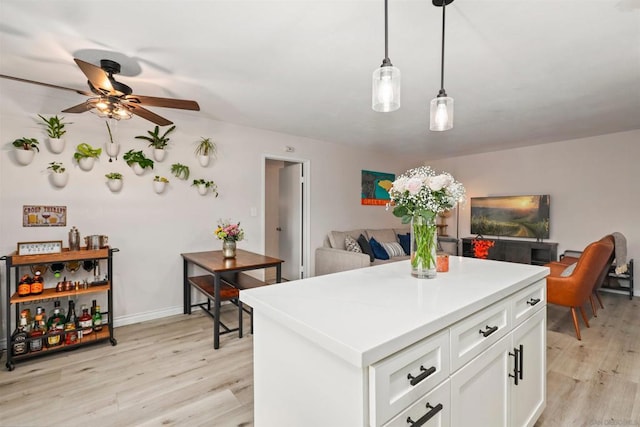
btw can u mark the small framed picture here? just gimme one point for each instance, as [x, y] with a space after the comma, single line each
[44, 216]
[40, 248]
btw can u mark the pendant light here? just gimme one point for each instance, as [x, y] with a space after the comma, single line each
[385, 96]
[441, 116]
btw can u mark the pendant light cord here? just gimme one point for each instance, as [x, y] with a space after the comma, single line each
[386, 33]
[444, 4]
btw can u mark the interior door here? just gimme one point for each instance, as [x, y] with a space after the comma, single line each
[290, 224]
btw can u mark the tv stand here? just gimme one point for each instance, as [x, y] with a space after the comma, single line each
[520, 251]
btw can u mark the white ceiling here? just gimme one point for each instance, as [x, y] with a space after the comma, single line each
[521, 72]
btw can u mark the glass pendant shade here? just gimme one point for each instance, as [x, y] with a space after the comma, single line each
[385, 95]
[441, 117]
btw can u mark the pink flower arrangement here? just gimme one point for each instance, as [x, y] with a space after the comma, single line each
[228, 231]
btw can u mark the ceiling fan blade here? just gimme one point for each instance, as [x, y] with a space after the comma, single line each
[18, 79]
[153, 101]
[96, 75]
[146, 114]
[80, 108]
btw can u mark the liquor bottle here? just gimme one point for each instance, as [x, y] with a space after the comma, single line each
[97, 319]
[24, 286]
[55, 324]
[37, 286]
[71, 324]
[19, 338]
[38, 330]
[85, 321]
[93, 307]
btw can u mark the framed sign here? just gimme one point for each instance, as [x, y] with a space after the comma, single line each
[40, 248]
[44, 216]
[375, 188]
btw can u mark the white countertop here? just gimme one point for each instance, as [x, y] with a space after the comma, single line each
[367, 314]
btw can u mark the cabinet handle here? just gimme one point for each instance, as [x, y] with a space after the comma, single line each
[425, 373]
[533, 301]
[518, 362]
[489, 331]
[426, 417]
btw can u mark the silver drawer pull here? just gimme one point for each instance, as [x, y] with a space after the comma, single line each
[425, 373]
[489, 331]
[426, 417]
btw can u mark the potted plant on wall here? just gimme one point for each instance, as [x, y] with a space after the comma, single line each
[59, 175]
[180, 171]
[159, 183]
[55, 130]
[112, 147]
[138, 161]
[114, 181]
[204, 186]
[26, 149]
[204, 150]
[86, 156]
[157, 141]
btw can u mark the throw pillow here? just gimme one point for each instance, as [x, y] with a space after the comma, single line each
[569, 270]
[366, 247]
[351, 244]
[405, 242]
[378, 250]
[393, 248]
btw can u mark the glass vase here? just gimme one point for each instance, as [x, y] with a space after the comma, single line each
[424, 244]
[228, 248]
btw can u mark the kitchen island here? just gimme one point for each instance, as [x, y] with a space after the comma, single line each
[375, 346]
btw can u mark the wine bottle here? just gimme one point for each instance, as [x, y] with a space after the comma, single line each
[97, 319]
[71, 324]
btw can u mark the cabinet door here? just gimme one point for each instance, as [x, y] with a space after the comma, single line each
[528, 397]
[480, 389]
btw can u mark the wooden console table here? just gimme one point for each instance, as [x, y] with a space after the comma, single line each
[228, 269]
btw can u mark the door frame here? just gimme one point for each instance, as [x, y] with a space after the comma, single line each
[306, 211]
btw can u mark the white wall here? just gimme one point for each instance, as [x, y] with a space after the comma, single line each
[593, 183]
[152, 230]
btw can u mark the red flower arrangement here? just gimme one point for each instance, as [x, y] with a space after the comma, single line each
[481, 248]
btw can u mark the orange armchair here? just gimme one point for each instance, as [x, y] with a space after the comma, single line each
[575, 289]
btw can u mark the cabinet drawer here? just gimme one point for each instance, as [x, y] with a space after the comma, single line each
[425, 364]
[528, 301]
[477, 332]
[435, 406]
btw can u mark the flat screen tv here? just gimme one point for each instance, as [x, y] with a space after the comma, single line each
[512, 216]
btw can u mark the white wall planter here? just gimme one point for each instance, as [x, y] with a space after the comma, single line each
[112, 149]
[56, 145]
[204, 161]
[159, 153]
[24, 157]
[137, 169]
[159, 186]
[202, 189]
[86, 163]
[114, 185]
[59, 179]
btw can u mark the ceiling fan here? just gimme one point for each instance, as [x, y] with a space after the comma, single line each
[111, 99]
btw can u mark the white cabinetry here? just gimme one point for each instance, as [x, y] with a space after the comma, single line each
[443, 352]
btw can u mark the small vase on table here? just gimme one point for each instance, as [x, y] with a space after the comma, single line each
[228, 249]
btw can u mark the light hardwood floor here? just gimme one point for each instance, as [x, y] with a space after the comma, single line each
[165, 372]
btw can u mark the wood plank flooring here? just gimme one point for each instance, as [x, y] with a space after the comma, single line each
[165, 372]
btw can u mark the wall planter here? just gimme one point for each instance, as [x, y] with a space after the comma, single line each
[55, 130]
[138, 161]
[86, 156]
[56, 145]
[114, 181]
[159, 184]
[112, 149]
[159, 154]
[25, 150]
[59, 175]
[205, 186]
[204, 150]
[86, 163]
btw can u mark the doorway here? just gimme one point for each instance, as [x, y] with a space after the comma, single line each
[286, 215]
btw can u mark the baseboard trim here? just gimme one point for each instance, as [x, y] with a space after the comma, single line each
[145, 316]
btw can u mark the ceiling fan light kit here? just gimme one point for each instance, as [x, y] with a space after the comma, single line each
[385, 96]
[441, 108]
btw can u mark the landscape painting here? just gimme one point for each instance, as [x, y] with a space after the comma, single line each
[512, 216]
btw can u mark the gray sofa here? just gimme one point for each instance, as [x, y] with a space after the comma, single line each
[333, 256]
